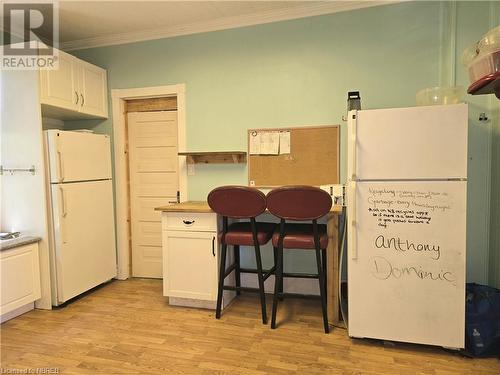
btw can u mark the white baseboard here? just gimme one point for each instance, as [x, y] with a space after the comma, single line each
[189, 302]
[227, 298]
[290, 285]
[19, 311]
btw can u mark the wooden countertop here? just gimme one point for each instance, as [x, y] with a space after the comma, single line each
[203, 207]
[189, 206]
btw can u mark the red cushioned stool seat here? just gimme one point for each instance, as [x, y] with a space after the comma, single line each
[299, 204]
[241, 202]
[300, 236]
[241, 234]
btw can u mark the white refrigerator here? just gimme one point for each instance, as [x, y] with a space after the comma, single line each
[407, 189]
[81, 217]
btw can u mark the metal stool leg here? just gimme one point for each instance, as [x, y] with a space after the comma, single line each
[260, 275]
[222, 272]
[322, 291]
[237, 273]
[261, 284]
[324, 263]
[280, 291]
[321, 275]
[277, 286]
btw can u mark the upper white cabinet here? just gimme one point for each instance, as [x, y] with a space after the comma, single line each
[59, 88]
[92, 85]
[76, 90]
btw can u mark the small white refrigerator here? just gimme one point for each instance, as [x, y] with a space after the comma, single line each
[406, 207]
[81, 212]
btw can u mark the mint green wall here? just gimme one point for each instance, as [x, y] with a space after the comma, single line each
[469, 30]
[282, 74]
[494, 270]
[294, 73]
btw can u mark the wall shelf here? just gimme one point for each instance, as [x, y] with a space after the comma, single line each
[215, 157]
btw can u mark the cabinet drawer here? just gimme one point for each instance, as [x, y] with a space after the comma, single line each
[189, 221]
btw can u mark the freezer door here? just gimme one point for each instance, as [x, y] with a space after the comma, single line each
[77, 156]
[408, 143]
[406, 262]
[85, 253]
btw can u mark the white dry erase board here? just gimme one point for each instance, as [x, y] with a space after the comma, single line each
[406, 261]
[309, 155]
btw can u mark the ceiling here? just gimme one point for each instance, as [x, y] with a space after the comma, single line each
[85, 24]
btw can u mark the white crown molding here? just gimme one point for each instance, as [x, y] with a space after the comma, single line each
[308, 10]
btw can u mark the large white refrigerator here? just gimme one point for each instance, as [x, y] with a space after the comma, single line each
[407, 189]
[81, 217]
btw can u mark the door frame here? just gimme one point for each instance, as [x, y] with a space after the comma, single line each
[118, 98]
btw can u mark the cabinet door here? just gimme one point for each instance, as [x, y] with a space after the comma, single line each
[20, 277]
[190, 264]
[58, 88]
[92, 84]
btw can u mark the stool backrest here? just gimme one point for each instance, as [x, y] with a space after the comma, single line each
[299, 202]
[240, 202]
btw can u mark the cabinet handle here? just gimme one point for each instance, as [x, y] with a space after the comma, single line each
[83, 99]
[76, 94]
[188, 222]
[213, 245]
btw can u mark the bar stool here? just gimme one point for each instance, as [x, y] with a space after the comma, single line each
[300, 203]
[241, 202]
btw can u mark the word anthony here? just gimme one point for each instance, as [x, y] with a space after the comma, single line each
[396, 243]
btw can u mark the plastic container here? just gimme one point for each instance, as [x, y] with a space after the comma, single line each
[440, 95]
[484, 65]
[483, 58]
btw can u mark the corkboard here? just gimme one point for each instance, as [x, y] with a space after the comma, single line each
[313, 159]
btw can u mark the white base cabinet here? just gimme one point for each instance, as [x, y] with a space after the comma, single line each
[20, 278]
[191, 259]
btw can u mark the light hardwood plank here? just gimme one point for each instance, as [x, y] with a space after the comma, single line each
[127, 327]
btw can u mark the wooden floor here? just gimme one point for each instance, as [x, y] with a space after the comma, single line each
[126, 327]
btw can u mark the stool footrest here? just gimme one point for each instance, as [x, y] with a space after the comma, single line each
[285, 274]
[231, 268]
[272, 271]
[298, 295]
[243, 288]
[301, 275]
[252, 270]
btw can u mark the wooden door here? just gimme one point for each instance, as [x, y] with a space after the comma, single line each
[153, 166]
[59, 88]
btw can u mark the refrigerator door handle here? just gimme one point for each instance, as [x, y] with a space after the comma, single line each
[63, 214]
[61, 166]
[352, 146]
[63, 202]
[353, 224]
